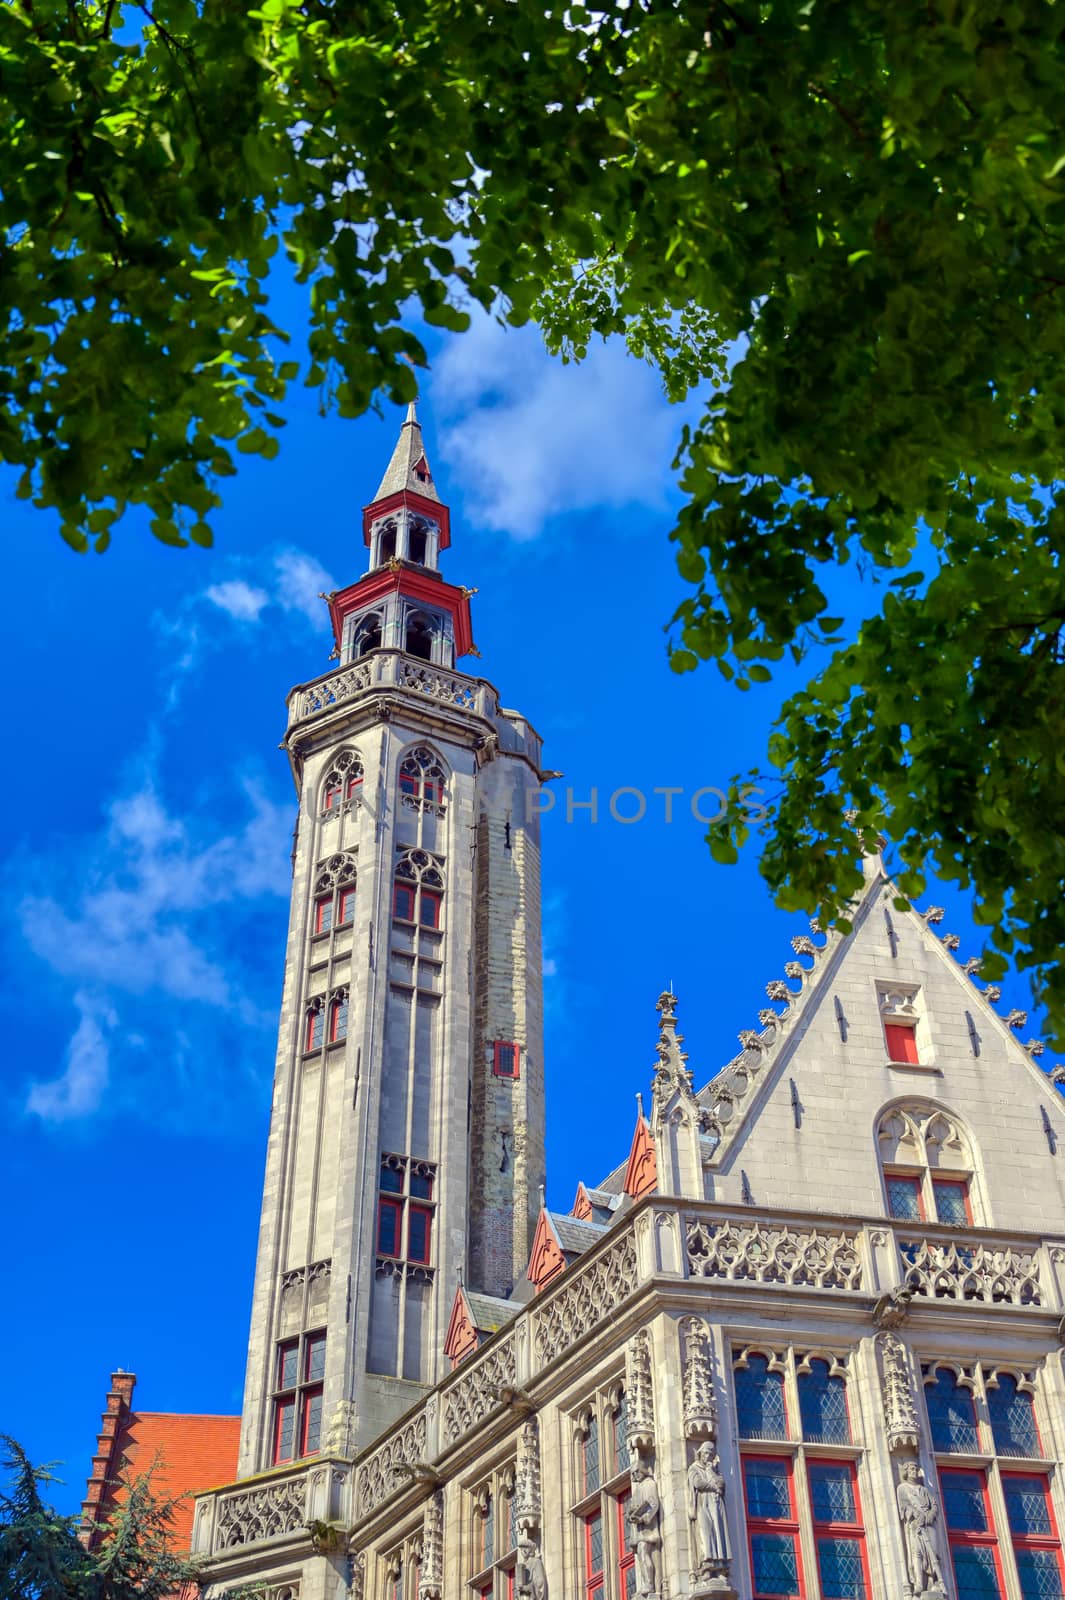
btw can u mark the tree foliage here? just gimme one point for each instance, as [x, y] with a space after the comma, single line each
[42, 1559]
[863, 204]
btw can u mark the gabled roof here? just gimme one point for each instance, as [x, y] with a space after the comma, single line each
[474, 1318]
[595, 1205]
[641, 1174]
[185, 1454]
[409, 466]
[557, 1241]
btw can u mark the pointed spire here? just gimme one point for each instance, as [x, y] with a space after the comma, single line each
[409, 466]
[670, 1071]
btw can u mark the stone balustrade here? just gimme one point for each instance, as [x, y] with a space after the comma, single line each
[393, 670]
[662, 1240]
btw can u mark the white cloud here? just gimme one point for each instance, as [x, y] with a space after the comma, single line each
[80, 1089]
[301, 581]
[531, 438]
[238, 599]
[156, 909]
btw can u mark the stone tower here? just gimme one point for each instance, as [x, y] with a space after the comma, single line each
[406, 1143]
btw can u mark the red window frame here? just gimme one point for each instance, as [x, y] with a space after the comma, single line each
[284, 1413]
[424, 1215]
[315, 1028]
[338, 1015]
[314, 1345]
[429, 909]
[1036, 1541]
[853, 1532]
[952, 1183]
[323, 913]
[506, 1059]
[345, 907]
[408, 783]
[399, 893]
[432, 790]
[626, 1557]
[332, 796]
[594, 1577]
[311, 1421]
[353, 784]
[780, 1526]
[913, 1178]
[958, 1538]
[386, 1204]
[290, 1348]
[901, 1041]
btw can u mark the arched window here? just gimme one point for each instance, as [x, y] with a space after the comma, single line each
[927, 1165]
[760, 1408]
[342, 784]
[314, 1030]
[418, 891]
[951, 1411]
[386, 543]
[338, 1016]
[1012, 1416]
[421, 780]
[367, 635]
[334, 894]
[420, 632]
[418, 540]
[823, 1403]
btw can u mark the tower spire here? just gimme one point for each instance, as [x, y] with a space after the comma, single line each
[409, 467]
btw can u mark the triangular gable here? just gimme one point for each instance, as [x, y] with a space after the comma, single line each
[582, 1205]
[546, 1258]
[732, 1100]
[462, 1336]
[641, 1174]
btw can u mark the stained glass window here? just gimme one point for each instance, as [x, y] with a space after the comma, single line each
[1026, 1504]
[832, 1492]
[951, 1413]
[903, 1197]
[760, 1400]
[976, 1572]
[839, 1563]
[775, 1561]
[1012, 1418]
[768, 1485]
[951, 1205]
[823, 1406]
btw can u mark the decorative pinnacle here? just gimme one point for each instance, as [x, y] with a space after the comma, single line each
[670, 1071]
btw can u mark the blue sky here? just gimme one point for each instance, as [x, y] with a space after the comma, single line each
[147, 819]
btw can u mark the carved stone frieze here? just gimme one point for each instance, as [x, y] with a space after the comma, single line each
[639, 1391]
[266, 1512]
[333, 689]
[700, 1406]
[527, 1499]
[900, 1409]
[1003, 1276]
[438, 685]
[383, 1471]
[477, 1391]
[761, 1253]
[589, 1295]
[431, 1583]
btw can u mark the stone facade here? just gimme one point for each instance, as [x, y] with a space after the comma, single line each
[804, 1352]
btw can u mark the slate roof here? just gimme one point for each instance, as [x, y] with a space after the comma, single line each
[573, 1235]
[399, 474]
[489, 1312]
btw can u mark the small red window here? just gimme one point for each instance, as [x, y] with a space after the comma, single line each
[505, 1059]
[285, 1429]
[323, 914]
[354, 785]
[419, 1228]
[421, 1185]
[314, 1359]
[315, 1028]
[408, 783]
[901, 1042]
[311, 1422]
[389, 1217]
[332, 796]
[345, 907]
[287, 1364]
[952, 1201]
[429, 916]
[431, 791]
[338, 1020]
[403, 902]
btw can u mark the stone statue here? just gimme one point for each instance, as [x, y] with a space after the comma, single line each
[532, 1578]
[644, 1538]
[706, 1508]
[919, 1514]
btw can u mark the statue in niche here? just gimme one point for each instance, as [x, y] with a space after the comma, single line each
[644, 1538]
[919, 1514]
[532, 1577]
[706, 1508]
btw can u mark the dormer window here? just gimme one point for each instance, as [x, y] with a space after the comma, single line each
[905, 1030]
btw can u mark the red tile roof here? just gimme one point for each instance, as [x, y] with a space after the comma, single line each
[187, 1453]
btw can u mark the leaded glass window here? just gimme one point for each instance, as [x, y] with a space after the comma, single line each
[951, 1413]
[760, 1405]
[1012, 1417]
[823, 1405]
